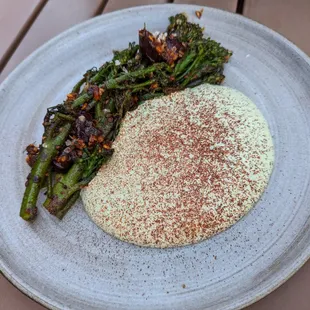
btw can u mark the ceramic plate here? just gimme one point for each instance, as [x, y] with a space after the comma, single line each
[72, 264]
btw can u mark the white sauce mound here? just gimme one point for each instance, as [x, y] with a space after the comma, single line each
[185, 167]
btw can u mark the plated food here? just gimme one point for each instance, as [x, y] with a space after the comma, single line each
[189, 164]
[186, 166]
[78, 133]
[232, 269]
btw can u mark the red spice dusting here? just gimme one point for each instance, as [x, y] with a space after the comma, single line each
[176, 162]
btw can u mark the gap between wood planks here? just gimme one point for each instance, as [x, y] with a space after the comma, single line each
[101, 8]
[39, 26]
[12, 48]
[240, 6]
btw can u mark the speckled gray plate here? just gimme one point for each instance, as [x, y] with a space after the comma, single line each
[72, 264]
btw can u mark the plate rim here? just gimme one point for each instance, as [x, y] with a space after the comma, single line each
[250, 299]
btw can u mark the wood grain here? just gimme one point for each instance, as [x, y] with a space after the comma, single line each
[15, 20]
[57, 16]
[291, 18]
[114, 5]
[293, 294]
[12, 299]
[228, 5]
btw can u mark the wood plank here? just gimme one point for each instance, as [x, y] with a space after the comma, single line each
[13, 19]
[293, 294]
[228, 5]
[12, 299]
[291, 18]
[114, 5]
[57, 16]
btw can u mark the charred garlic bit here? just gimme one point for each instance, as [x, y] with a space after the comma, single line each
[160, 46]
[32, 154]
[78, 134]
[199, 13]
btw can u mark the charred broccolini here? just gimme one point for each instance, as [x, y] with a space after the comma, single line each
[78, 133]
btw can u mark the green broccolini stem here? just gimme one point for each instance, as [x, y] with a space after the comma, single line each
[98, 110]
[191, 67]
[101, 75]
[65, 117]
[184, 63]
[49, 184]
[64, 188]
[136, 87]
[81, 100]
[71, 201]
[80, 174]
[28, 210]
[77, 86]
[114, 83]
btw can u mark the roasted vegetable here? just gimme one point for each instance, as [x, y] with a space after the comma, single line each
[79, 132]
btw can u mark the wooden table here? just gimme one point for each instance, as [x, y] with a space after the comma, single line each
[27, 24]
